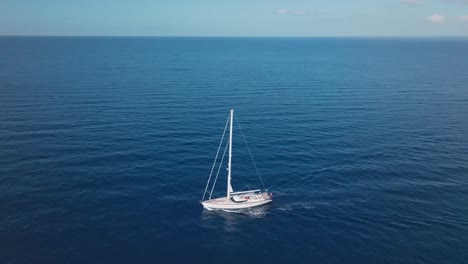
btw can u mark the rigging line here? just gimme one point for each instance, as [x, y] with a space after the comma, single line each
[250, 152]
[219, 168]
[216, 158]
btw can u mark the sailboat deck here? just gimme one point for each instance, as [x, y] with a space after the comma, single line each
[238, 201]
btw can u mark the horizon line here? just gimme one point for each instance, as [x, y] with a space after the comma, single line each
[234, 36]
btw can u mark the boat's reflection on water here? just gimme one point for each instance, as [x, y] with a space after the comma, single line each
[232, 218]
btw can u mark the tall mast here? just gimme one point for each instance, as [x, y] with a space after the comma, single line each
[229, 187]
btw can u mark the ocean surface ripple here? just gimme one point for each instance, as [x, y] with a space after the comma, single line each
[106, 145]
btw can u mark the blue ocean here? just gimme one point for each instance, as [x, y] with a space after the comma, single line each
[106, 144]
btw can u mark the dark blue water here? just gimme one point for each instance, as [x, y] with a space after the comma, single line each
[106, 145]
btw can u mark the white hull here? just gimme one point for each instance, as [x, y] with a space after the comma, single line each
[237, 202]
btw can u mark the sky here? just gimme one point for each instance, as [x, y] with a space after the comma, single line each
[295, 18]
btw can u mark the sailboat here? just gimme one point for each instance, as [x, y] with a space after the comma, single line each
[233, 200]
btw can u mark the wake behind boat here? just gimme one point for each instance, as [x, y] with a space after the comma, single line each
[233, 200]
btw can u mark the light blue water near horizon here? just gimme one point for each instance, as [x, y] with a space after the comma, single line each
[106, 145]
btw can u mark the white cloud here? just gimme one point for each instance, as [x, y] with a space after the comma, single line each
[413, 2]
[436, 18]
[300, 13]
[284, 11]
[463, 18]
